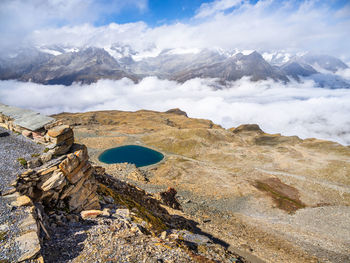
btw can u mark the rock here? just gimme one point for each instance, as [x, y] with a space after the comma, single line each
[27, 173]
[63, 148]
[123, 213]
[22, 200]
[58, 130]
[79, 198]
[63, 137]
[88, 214]
[92, 202]
[26, 133]
[69, 164]
[71, 190]
[85, 171]
[39, 260]
[82, 155]
[177, 111]
[4, 228]
[29, 245]
[163, 235]
[56, 180]
[108, 199]
[46, 171]
[136, 175]
[38, 137]
[168, 198]
[8, 191]
[52, 124]
[135, 228]
[45, 157]
[29, 224]
[34, 163]
[247, 128]
[106, 212]
[98, 170]
[190, 237]
[275, 139]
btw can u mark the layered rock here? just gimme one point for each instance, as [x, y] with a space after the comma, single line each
[63, 183]
[60, 179]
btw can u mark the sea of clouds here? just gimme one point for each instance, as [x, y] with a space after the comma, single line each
[300, 109]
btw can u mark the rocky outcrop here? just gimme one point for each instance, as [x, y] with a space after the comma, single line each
[64, 183]
[59, 179]
[177, 111]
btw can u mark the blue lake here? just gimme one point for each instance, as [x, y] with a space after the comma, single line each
[138, 155]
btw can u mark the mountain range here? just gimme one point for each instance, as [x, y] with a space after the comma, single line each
[65, 65]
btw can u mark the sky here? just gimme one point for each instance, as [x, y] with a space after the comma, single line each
[320, 26]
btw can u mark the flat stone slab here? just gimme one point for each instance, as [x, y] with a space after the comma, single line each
[27, 119]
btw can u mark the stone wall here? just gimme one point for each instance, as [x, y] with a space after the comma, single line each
[60, 179]
[64, 183]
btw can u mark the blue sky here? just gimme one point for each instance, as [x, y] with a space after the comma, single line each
[158, 12]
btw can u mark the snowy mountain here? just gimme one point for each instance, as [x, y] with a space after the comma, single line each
[68, 64]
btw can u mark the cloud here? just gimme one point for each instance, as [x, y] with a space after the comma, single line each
[268, 25]
[293, 109]
[20, 18]
[344, 73]
[209, 9]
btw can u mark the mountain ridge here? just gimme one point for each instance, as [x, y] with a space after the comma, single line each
[65, 65]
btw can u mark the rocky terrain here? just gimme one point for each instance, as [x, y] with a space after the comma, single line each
[56, 206]
[268, 197]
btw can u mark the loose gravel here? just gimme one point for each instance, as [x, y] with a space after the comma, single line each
[12, 147]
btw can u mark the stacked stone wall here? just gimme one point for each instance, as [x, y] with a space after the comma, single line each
[60, 179]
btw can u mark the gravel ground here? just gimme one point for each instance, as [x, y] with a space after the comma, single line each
[12, 147]
[118, 239]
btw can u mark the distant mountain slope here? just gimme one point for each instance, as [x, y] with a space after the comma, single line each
[325, 62]
[234, 68]
[66, 64]
[86, 66]
[14, 64]
[296, 69]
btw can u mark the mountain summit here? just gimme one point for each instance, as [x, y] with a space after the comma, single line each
[65, 65]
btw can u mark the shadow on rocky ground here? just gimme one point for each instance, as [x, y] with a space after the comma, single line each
[66, 242]
[71, 240]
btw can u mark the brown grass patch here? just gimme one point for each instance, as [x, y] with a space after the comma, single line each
[285, 196]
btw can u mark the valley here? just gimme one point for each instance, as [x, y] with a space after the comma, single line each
[278, 198]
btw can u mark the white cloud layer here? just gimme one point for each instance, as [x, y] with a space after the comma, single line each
[269, 25]
[20, 18]
[211, 8]
[292, 109]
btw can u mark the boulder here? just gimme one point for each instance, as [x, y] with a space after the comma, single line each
[64, 147]
[88, 214]
[29, 245]
[58, 130]
[177, 111]
[168, 198]
[247, 128]
[22, 200]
